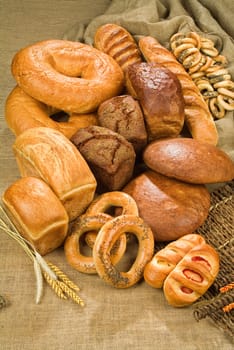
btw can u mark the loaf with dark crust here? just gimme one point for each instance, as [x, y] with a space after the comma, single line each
[110, 156]
[159, 93]
[123, 115]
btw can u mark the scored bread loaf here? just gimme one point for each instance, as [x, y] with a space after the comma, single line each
[192, 276]
[197, 115]
[46, 153]
[117, 42]
[37, 213]
[165, 260]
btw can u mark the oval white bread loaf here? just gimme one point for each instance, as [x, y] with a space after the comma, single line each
[189, 160]
[37, 213]
[46, 153]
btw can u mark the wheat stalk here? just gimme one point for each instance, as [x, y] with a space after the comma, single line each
[56, 278]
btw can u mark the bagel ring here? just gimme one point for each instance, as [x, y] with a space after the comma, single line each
[82, 225]
[23, 112]
[105, 201]
[107, 237]
[70, 76]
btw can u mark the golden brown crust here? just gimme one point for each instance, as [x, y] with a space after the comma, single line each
[170, 207]
[189, 160]
[70, 76]
[192, 276]
[82, 226]
[159, 93]
[23, 112]
[48, 154]
[197, 115]
[37, 213]
[165, 260]
[114, 199]
[108, 235]
[117, 42]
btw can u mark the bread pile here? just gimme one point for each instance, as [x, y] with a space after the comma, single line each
[135, 125]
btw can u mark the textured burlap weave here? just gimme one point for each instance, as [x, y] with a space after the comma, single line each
[218, 230]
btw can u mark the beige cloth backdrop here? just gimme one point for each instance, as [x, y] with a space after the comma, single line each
[139, 317]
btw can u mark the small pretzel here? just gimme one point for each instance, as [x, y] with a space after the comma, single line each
[82, 225]
[106, 238]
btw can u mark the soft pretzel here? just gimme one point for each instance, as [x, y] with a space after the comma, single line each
[70, 76]
[84, 224]
[107, 237]
[197, 115]
[192, 276]
[118, 43]
[23, 112]
[165, 260]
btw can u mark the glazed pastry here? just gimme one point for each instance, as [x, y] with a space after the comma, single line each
[192, 276]
[166, 259]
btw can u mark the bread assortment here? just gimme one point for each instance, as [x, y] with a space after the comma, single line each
[121, 146]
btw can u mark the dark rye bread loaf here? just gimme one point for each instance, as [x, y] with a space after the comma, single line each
[110, 156]
[123, 115]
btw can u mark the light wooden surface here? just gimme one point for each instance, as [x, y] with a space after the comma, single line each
[113, 319]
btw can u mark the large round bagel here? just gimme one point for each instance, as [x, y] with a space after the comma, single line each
[70, 76]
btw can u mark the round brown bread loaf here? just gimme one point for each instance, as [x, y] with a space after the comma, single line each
[160, 95]
[123, 115]
[189, 160]
[110, 156]
[170, 207]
